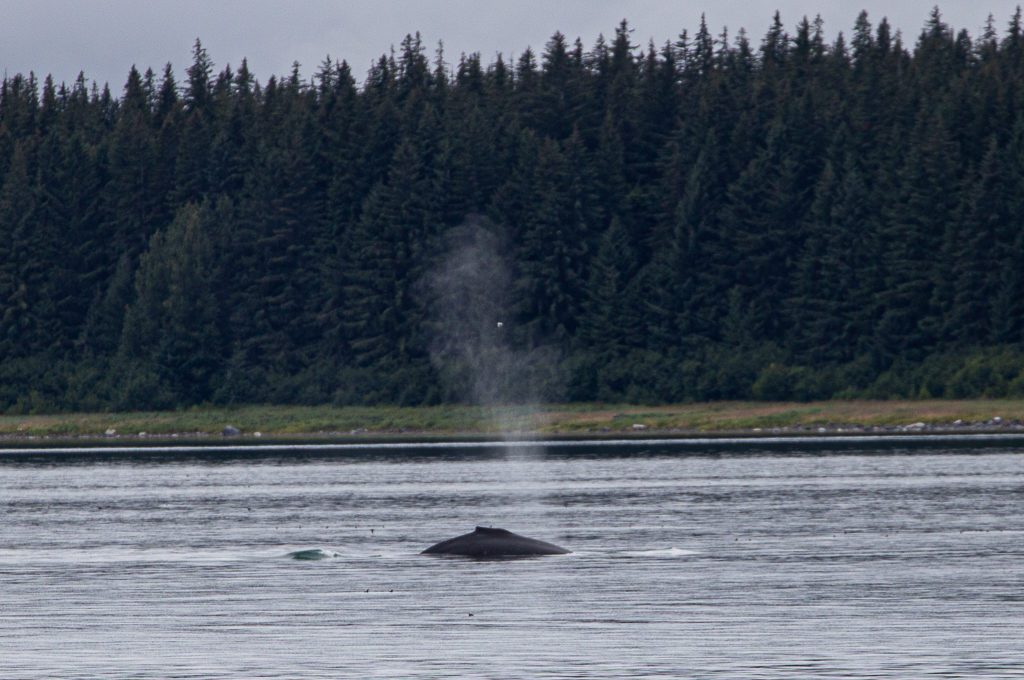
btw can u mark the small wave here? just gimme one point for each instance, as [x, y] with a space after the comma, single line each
[122, 555]
[313, 554]
[661, 552]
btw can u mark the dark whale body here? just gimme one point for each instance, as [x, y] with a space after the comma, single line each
[485, 542]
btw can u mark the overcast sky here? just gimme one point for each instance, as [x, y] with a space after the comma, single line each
[104, 38]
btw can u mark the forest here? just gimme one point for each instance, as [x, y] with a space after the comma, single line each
[718, 217]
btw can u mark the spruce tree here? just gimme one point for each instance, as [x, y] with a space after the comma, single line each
[170, 329]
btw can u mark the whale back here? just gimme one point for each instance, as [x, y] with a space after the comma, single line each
[491, 542]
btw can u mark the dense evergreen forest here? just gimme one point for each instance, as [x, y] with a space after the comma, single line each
[717, 217]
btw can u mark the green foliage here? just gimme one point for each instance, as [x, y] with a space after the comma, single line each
[705, 221]
[170, 343]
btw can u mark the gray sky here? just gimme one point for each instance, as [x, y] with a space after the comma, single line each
[105, 37]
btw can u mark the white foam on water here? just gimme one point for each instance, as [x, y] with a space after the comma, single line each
[313, 554]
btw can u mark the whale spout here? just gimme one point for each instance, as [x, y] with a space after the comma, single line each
[486, 542]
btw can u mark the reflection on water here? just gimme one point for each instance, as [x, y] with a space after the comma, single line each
[707, 562]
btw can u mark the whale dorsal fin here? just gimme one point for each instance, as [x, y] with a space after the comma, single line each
[488, 530]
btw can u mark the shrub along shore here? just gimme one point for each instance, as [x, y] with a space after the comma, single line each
[582, 420]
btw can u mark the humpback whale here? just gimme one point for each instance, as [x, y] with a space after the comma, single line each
[484, 542]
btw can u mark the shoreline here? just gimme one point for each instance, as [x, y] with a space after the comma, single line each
[263, 425]
[718, 443]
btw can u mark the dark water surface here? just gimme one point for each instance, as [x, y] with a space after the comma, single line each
[688, 562]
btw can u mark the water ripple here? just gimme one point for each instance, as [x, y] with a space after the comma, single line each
[754, 566]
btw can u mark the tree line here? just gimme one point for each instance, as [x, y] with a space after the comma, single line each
[712, 218]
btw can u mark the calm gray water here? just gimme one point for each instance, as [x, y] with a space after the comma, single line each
[728, 563]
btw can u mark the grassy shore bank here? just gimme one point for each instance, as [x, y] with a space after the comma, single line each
[551, 419]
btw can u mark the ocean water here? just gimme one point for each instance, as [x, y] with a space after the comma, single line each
[704, 561]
